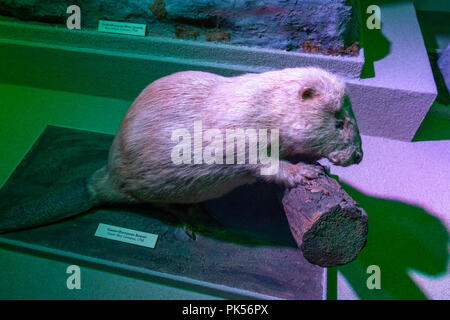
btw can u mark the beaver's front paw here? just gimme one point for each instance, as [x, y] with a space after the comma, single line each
[311, 171]
[300, 173]
[293, 180]
[294, 174]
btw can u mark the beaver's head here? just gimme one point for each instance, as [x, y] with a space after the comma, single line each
[321, 123]
[343, 146]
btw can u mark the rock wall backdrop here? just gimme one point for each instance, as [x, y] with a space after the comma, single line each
[315, 26]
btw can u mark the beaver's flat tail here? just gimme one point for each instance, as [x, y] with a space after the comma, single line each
[57, 204]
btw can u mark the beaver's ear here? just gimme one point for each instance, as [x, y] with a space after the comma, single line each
[307, 93]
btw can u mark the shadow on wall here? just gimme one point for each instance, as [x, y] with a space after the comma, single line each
[433, 25]
[402, 237]
[434, 126]
[375, 44]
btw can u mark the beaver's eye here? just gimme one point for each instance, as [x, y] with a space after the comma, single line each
[307, 94]
[339, 124]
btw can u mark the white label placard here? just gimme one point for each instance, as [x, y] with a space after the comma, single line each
[126, 235]
[135, 29]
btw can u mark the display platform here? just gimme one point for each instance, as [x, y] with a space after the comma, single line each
[241, 249]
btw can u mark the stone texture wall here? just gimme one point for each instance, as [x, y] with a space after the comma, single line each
[325, 26]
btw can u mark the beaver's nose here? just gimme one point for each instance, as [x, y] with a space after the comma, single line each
[358, 157]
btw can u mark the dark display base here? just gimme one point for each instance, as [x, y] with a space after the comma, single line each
[242, 249]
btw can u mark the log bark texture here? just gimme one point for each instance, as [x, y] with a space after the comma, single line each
[328, 225]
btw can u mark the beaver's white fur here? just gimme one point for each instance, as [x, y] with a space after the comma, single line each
[309, 106]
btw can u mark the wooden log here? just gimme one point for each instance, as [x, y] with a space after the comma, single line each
[329, 227]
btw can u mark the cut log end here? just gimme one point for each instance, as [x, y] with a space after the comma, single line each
[336, 237]
[329, 227]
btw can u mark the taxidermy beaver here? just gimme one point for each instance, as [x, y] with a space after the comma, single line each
[308, 106]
